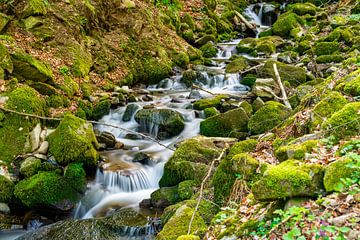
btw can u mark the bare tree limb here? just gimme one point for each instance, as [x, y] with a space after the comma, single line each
[247, 24]
[283, 92]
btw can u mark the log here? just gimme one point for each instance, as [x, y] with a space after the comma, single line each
[246, 22]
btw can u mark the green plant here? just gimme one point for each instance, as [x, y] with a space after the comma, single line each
[352, 183]
[64, 70]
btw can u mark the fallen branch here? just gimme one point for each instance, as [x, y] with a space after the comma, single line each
[247, 24]
[93, 122]
[252, 68]
[203, 185]
[202, 89]
[283, 92]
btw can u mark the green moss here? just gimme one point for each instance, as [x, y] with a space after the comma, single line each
[14, 128]
[245, 146]
[210, 102]
[189, 162]
[43, 88]
[336, 171]
[286, 23]
[45, 188]
[304, 46]
[169, 195]
[289, 179]
[187, 18]
[344, 122]
[57, 101]
[75, 177]
[81, 60]
[30, 167]
[211, 111]
[188, 237]
[247, 107]
[181, 59]
[4, 20]
[223, 124]
[266, 47]
[326, 48]
[249, 80]
[101, 109]
[330, 58]
[28, 68]
[5, 59]
[6, 189]
[268, 117]
[303, 8]
[288, 73]
[36, 7]
[331, 103]
[237, 65]
[189, 77]
[350, 84]
[69, 86]
[209, 50]
[73, 141]
[295, 151]
[240, 165]
[186, 189]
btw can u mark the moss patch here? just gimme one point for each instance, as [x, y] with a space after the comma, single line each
[295, 151]
[6, 189]
[211, 102]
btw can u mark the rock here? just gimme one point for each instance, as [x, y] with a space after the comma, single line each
[101, 109]
[257, 104]
[160, 123]
[6, 189]
[132, 98]
[265, 88]
[353, 235]
[286, 24]
[295, 202]
[30, 166]
[341, 220]
[336, 171]
[4, 20]
[195, 94]
[237, 65]
[44, 147]
[223, 124]
[209, 112]
[142, 158]
[130, 111]
[344, 122]
[119, 145]
[4, 208]
[35, 137]
[295, 151]
[3, 100]
[44, 88]
[106, 138]
[268, 117]
[210, 102]
[164, 197]
[186, 189]
[349, 84]
[205, 39]
[289, 179]
[74, 141]
[209, 50]
[188, 237]
[146, 203]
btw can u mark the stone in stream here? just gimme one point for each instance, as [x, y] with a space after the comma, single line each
[160, 123]
[130, 111]
[106, 138]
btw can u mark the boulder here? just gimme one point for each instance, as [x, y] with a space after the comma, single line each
[265, 88]
[130, 111]
[304, 8]
[222, 125]
[5, 59]
[210, 102]
[295, 151]
[209, 50]
[4, 20]
[164, 197]
[211, 111]
[268, 117]
[237, 65]
[30, 166]
[286, 24]
[101, 109]
[74, 141]
[160, 123]
[350, 84]
[289, 179]
[186, 189]
[35, 137]
[106, 138]
[6, 189]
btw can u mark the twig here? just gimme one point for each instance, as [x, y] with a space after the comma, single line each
[203, 185]
[247, 24]
[283, 92]
[252, 68]
[93, 122]
[200, 88]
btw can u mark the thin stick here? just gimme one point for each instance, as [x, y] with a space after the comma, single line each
[252, 68]
[203, 185]
[283, 92]
[247, 24]
[200, 88]
[93, 122]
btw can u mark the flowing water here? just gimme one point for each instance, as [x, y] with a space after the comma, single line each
[121, 182]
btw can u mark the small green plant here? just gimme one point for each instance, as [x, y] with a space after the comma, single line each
[352, 183]
[330, 141]
[64, 70]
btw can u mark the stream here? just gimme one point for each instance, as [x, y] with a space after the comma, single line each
[121, 182]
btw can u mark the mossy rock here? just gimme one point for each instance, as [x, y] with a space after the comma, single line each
[57, 101]
[186, 189]
[345, 122]
[286, 23]
[6, 189]
[69, 86]
[350, 84]
[27, 67]
[211, 111]
[237, 65]
[181, 59]
[241, 165]
[74, 141]
[288, 73]
[334, 58]
[331, 103]
[205, 39]
[188, 237]
[45, 189]
[189, 161]
[210, 102]
[5, 59]
[30, 166]
[245, 146]
[130, 111]
[223, 124]
[295, 151]
[81, 59]
[164, 197]
[189, 77]
[289, 179]
[268, 117]
[169, 122]
[326, 48]
[304, 8]
[337, 171]
[101, 109]
[34, 8]
[249, 80]
[14, 128]
[209, 50]
[44, 89]
[4, 20]
[75, 177]
[266, 47]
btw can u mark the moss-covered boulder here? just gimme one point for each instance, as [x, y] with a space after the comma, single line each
[5, 59]
[101, 109]
[210, 102]
[350, 84]
[160, 123]
[27, 67]
[289, 73]
[14, 128]
[295, 151]
[75, 177]
[209, 50]
[223, 124]
[337, 171]
[188, 237]
[130, 111]
[303, 8]
[74, 141]
[237, 65]
[6, 189]
[344, 122]
[331, 103]
[333, 58]
[211, 111]
[4, 20]
[268, 117]
[45, 189]
[326, 48]
[241, 166]
[30, 166]
[190, 161]
[289, 179]
[286, 23]
[164, 197]
[186, 189]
